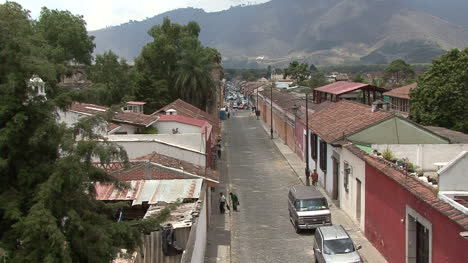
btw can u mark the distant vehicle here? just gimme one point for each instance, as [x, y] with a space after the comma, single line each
[242, 106]
[308, 208]
[333, 244]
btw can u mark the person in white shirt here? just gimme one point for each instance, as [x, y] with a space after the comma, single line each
[222, 203]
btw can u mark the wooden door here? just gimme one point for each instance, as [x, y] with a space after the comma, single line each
[336, 172]
[422, 244]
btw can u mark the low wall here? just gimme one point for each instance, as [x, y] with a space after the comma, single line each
[424, 155]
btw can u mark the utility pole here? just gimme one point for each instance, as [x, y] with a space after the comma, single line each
[271, 112]
[307, 171]
[256, 108]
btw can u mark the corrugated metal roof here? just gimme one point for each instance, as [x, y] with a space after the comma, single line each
[151, 191]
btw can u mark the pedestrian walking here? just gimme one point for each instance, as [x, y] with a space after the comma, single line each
[229, 114]
[314, 177]
[234, 201]
[219, 150]
[222, 203]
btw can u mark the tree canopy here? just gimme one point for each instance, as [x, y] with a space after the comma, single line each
[398, 71]
[441, 96]
[66, 34]
[175, 65]
[48, 208]
[112, 78]
[297, 71]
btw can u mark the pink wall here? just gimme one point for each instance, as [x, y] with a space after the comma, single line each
[386, 202]
[299, 133]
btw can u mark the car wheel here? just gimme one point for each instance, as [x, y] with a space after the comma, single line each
[296, 227]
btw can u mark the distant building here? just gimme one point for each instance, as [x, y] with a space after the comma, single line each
[348, 90]
[399, 99]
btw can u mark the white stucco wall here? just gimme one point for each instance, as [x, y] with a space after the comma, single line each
[185, 147]
[165, 127]
[68, 117]
[199, 249]
[325, 180]
[424, 155]
[127, 128]
[348, 199]
[455, 176]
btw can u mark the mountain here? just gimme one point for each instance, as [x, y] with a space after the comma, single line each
[315, 31]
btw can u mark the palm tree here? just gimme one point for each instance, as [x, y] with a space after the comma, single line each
[194, 81]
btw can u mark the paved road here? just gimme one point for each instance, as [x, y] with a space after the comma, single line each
[259, 174]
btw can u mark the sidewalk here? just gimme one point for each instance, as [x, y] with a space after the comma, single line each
[368, 252]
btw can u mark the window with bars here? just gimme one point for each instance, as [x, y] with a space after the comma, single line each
[347, 172]
[313, 145]
[323, 155]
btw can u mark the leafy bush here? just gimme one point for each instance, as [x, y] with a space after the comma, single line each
[148, 130]
[388, 155]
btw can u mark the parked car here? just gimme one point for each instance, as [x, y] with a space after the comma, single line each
[308, 208]
[333, 244]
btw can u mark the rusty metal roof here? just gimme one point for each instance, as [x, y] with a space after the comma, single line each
[151, 191]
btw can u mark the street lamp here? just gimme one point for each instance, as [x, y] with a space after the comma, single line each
[307, 171]
[295, 109]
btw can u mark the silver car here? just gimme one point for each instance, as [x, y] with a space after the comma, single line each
[333, 244]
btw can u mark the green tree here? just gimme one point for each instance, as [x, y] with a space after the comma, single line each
[398, 71]
[317, 80]
[194, 80]
[66, 34]
[313, 69]
[159, 65]
[269, 72]
[441, 96]
[358, 78]
[297, 71]
[112, 78]
[47, 196]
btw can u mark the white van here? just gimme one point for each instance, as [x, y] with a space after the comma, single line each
[308, 208]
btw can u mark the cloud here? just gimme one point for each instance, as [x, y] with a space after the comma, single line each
[102, 13]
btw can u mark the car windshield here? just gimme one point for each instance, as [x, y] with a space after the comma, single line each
[311, 204]
[338, 246]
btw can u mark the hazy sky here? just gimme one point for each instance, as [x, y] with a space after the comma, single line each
[101, 13]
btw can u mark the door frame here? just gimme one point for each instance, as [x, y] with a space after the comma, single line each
[358, 199]
[412, 217]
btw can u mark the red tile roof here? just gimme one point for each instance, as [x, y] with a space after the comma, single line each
[134, 118]
[413, 185]
[403, 92]
[145, 171]
[120, 116]
[186, 109]
[344, 118]
[183, 119]
[112, 126]
[180, 165]
[341, 87]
